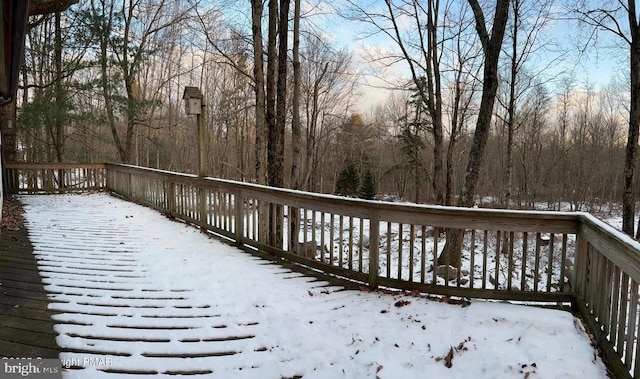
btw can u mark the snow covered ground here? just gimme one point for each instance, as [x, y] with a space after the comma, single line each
[137, 292]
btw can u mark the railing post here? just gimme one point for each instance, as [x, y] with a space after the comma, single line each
[203, 204]
[374, 239]
[580, 274]
[171, 197]
[12, 181]
[239, 221]
[129, 186]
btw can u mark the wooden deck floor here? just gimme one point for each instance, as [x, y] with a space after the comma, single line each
[97, 310]
[26, 327]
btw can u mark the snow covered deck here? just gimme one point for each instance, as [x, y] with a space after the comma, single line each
[136, 293]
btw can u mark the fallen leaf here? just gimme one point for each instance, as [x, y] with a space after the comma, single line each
[449, 358]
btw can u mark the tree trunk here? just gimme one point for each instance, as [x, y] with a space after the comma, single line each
[491, 47]
[435, 101]
[131, 120]
[455, 121]
[628, 195]
[271, 86]
[105, 16]
[58, 141]
[296, 134]
[258, 75]
[511, 109]
[276, 135]
[261, 123]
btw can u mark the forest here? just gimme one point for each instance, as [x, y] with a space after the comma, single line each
[487, 108]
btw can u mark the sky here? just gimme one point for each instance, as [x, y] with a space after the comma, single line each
[134, 290]
[597, 64]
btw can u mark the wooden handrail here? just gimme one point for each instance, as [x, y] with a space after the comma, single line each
[53, 166]
[444, 216]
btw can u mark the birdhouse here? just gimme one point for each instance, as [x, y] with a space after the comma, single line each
[192, 100]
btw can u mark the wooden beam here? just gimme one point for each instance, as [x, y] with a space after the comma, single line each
[39, 7]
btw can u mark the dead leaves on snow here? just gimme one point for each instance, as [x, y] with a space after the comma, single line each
[448, 358]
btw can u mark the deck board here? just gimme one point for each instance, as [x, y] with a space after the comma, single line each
[26, 326]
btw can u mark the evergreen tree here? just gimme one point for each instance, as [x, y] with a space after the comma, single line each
[368, 187]
[348, 181]
[411, 147]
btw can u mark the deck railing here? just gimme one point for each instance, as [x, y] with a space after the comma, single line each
[55, 177]
[551, 257]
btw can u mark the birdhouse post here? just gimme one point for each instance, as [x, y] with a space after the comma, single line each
[194, 104]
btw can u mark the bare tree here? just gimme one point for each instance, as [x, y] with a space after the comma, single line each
[611, 17]
[326, 88]
[259, 84]
[528, 21]
[296, 134]
[420, 49]
[491, 46]
[124, 33]
[463, 89]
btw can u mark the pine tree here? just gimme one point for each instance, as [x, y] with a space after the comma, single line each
[368, 186]
[348, 181]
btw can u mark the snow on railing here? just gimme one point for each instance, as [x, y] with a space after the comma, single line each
[552, 257]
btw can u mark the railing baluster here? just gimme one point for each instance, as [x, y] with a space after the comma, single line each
[423, 253]
[331, 237]
[563, 263]
[622, 317]
[523, 271]
[615, 304]
[239, 220]
[536, 268]
[314, 242]
[388, 249]
[256, 222]
[436, 235]
[323, 258]
[550, 262]
[360, 244]
[485, 258]
[498, 255]
[341, 241]
[400, 240]
[374, 243]
[472, 259]
[412, 236]
[632, 338]
[511, 266]
[606, 303]
[350, 257]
